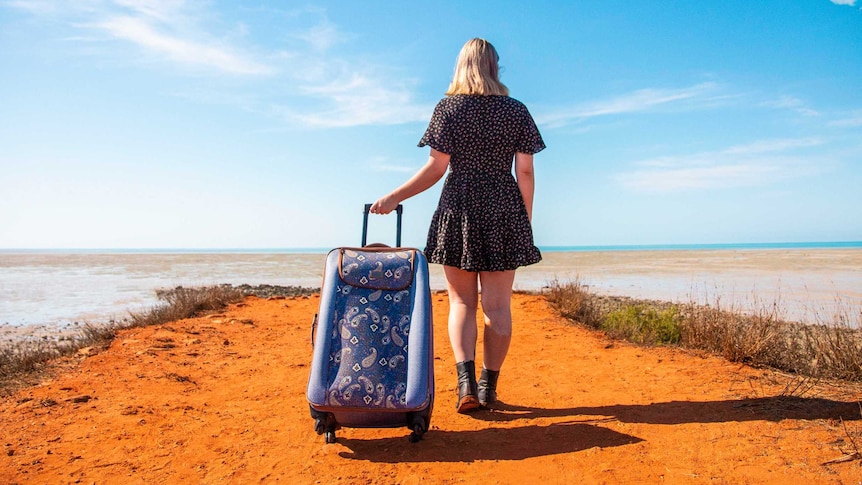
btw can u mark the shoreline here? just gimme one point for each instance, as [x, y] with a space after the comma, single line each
[54, 291]
[545, 248]
[11, 334]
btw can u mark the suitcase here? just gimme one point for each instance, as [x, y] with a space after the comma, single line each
[373, 358]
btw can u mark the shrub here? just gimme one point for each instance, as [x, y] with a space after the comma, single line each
[179, 303]
[643, 325]
[836, 345]
[761, 338]
[571, 300]
[830, 349]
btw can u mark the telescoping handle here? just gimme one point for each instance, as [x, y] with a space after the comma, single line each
[398, 211]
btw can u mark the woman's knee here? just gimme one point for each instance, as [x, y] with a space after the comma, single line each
[499, 320]
[463, 302]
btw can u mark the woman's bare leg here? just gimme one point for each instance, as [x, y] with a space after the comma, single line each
[463, 302]
[497, 307]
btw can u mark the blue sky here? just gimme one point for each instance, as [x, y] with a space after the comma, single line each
[206, 124]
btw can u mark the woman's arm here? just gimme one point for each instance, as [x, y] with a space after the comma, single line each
[526, 180]
[427, 176]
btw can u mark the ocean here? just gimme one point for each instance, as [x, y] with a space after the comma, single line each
[57, 288]
[696, 247]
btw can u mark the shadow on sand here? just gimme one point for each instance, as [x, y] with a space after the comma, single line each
[679, 412]
[487, 444]
[581, 431]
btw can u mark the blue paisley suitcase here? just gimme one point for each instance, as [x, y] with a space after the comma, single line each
[373, 360]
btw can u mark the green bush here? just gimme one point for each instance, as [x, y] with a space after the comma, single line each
[830, 347]
[643, 325]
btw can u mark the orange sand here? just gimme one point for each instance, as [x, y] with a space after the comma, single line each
[222, 399]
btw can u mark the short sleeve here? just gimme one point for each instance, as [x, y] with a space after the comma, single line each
[530, 140]
[439, 133]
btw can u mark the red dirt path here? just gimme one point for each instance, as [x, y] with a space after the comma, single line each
[221, 399]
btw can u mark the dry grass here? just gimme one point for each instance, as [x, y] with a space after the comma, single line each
[760, 338]
[180, 303]
[830, 348]
[835, 343]
[573, 301]
[852, 451]
[22, 362]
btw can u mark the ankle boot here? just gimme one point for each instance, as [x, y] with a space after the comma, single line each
[487, 387]
[467, 400]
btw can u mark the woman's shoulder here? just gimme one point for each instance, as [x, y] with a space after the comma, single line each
[512, 102]
[461, 99]
[455, 100]
[449, 103]
[457, 104]
[464, 104]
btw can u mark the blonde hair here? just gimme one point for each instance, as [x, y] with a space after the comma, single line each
[477, 70]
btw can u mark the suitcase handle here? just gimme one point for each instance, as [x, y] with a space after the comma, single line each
[398, 210]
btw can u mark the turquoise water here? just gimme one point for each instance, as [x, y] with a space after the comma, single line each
[321, 250]
[166, 251]
[702, 247]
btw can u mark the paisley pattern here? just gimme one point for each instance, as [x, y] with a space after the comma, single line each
[369, 338]
[381, 270]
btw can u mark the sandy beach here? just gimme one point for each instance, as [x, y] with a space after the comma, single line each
[220, 398]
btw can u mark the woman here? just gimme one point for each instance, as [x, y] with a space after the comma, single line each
[481, 230]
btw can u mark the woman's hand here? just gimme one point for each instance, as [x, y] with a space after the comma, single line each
[427, 176]
[384, 205]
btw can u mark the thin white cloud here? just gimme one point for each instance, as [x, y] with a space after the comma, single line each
[791, 103]
[322, 36]
[760, 163]
[774, 145]
[844, 2]
[169, 29]
[720, 176]
[141, 33]
[362, 100]
[166, 11]
[38, 7]
[853, 121]
[636, 101]
[310, 85]
[325, 96]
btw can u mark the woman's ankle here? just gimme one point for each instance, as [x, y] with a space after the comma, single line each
[486, 388]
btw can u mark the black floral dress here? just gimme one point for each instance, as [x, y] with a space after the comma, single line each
[481, 223]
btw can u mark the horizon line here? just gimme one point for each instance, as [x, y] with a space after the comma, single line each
[548, 248]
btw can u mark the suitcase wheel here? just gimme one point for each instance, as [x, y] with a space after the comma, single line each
[416, 435]
[319, 426]
[324, 424]
[419, 426]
